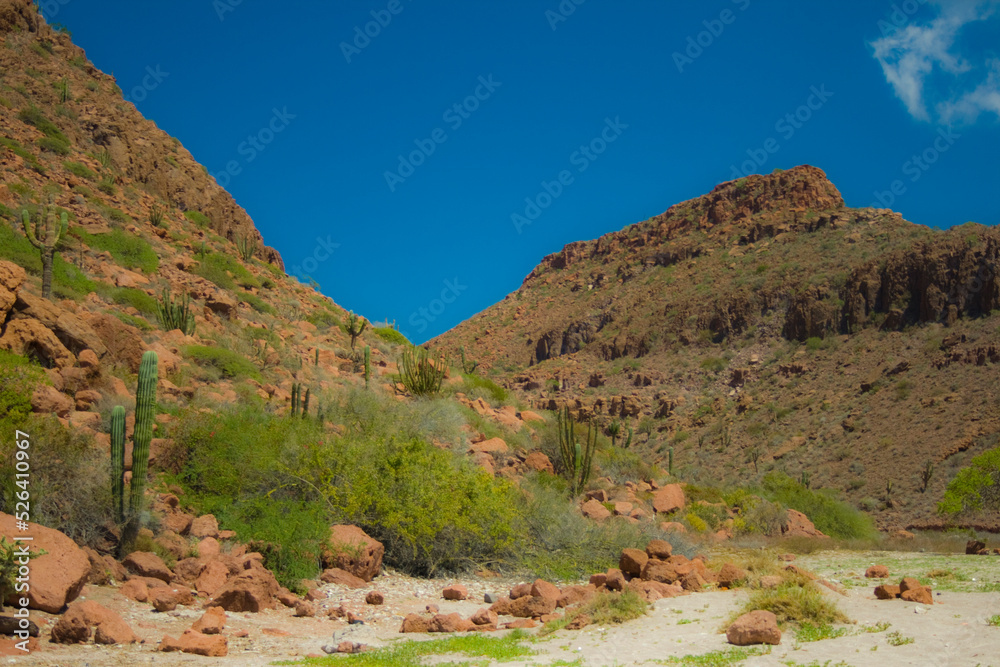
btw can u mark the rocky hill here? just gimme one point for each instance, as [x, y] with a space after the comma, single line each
[767, 326]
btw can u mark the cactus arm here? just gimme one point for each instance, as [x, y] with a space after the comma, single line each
[28, 231]
[118, 462]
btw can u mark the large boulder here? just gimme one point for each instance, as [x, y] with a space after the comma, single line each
[30, 338]
[632, 561]
[147, 564]
[81, 618]
[123, 342]
[196, 643]
[668, 499]
[798, 524]
[252, 590]
[56, 577]
[756, 627]
[70, 329]
[593, 509]
[11, 278]
[353, 550]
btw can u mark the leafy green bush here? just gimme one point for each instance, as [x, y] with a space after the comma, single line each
[975, 488]
[18, 249]
[390, 335]
[18, 377]
[833, 517]
[476, 386]
[258, 303]
[227, 362]
[794, 604]
[53, 145]
[136, 298]
[129, 251]
[198, 218]
[33, 116]
[431, 509]
[69, 282]
[81, 170]
[221, 269]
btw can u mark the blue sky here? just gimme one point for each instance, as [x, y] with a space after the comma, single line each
[436, 159]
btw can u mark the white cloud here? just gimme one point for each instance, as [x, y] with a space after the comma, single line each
[912, 53]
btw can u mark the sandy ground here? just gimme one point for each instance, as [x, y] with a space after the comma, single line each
[951, 632]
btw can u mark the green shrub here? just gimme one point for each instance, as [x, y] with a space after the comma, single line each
[390, 335]
[224, 271]
[258, 303]
[107, 186]
[714, 364]
[33, 116]
[69, 282]
[54, 146]
[136, 298]
[429, 507]
[18, 378]
[18, 249]
[794, 604]
[81, 170]
[227, 362]
[70, 484]
[975, 488]
[622, 465]
[476, 386]
[833, 517]
[198, 218]
[131, 252]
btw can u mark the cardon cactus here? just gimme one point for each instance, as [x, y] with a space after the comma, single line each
[368, 364]
[46, 234]
[145, 409]
[118, 462]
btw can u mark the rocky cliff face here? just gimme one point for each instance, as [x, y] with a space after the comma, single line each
[101, 120]
[709, 322]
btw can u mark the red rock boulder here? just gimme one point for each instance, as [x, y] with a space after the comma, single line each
[76, 625]
[56, 577]
[353, 550]
[757, 627]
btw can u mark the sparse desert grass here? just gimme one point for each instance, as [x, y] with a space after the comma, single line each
[795, 605]
[723, 658]
[898, 639]
[953, 572]
[994, 620]
[603, 609]
[807, 632]
[412, 653]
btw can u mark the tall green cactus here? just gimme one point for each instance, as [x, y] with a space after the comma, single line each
[295, 398]
[354, 326]
[118, 462]
[145, 408]
[419, 374]
[368, 364]
[175, 315]
[46, 234]
[670, 461]
[577, 459]
[305, 404]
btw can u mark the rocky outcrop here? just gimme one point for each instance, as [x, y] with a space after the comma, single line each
[57, 576]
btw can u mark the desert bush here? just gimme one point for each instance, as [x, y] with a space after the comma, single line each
[198, 218]
[390, 335]
[975, 488]
[70, 484]
[129, 251]
[623, 465]
[794, 604]
[831, 516]
[258, 304]
[430, 509]
[224, 271]
[81, 170]
[228, 363]
[477, 386]
[560, 543]
[136, 298]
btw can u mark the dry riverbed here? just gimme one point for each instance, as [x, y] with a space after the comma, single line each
[953, 631]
